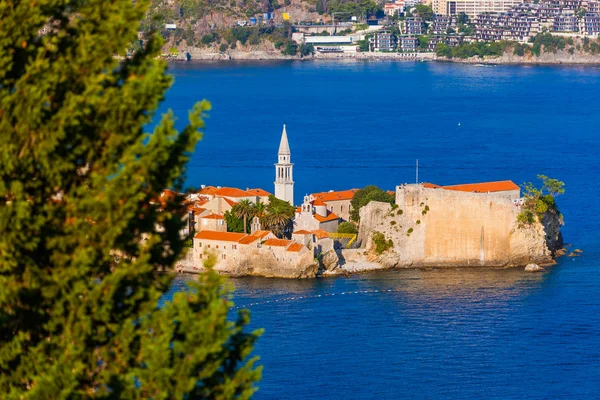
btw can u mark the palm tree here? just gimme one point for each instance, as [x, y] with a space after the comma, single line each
[260, 211]
[278, 219]
[243, 209]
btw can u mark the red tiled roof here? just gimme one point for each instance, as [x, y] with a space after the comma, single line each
[230, 202]
[330, 217]
[253, 237]
[484, 187]
[232, 192]
[209, 190]
[318, 202]
[259, 192]
[333, 196]
[431, 185]
[198, 210]
[213, 216]
[298, 209]
[301, 232]
[221, 236]
[320, 233]
[277, 242]
[295, 247]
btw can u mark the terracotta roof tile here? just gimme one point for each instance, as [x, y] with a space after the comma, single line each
[318, 202]
[248, 239]
[221, 236]
[230, 202]
[208, 190]
[301, 232]
[298, 209]
[232, 192]
[277, 242]
[484, 187]
[320, 234]
[330, 217]
[334, 196]
[259, 192]
[431, 185]
[213, 216]
[261, 234]
[295, 247]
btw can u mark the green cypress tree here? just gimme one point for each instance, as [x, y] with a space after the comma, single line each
[81, 240]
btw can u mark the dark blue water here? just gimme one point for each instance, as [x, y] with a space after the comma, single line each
[497, 334]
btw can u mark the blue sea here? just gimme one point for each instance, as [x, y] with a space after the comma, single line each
[413, 334]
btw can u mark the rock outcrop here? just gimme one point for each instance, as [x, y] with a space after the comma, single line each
[533, 268]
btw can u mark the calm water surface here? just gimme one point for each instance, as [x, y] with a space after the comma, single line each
[496, 334]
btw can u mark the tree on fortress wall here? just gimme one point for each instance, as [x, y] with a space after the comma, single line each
[364, 196]
[539, 201]
[82, 241]
[279, 216]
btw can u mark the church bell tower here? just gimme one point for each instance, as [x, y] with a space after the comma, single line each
[284, 183]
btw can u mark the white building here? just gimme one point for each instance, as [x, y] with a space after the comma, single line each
[284, 182]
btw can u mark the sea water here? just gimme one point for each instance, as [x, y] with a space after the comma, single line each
[418, 334]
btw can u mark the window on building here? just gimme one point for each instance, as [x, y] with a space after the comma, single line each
[208, 246]
[224, 256]
[200, 255]
[199, 244]
[234, 246]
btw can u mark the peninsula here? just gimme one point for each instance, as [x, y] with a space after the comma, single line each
[243, 232]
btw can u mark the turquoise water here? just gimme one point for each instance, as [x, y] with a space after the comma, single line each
[497, 334]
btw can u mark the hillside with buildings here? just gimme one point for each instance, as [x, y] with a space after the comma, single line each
[251, 231]
[544, 31]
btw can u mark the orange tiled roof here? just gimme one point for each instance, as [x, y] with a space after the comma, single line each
[222, 236]
[209, 190]
[320, 233]
[333, 196]
[213, 216]
[261, 234]
[431, 185]
[253, 237]
[230, 202]
[232, 192]
[277, 242]
[295, 247]
[484, 187]
[318, 202]
[330, 217]
[258, 192]
[198, 210]
[301, 232]
[298, 209]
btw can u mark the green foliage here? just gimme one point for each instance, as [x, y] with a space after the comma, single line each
[381, 243]
[409, 231]
[468, 50]
[223, 47]
[234, 224]
[545, 42]
[290, 49]
[243, 210]
[463, 18]
[306, 49]
[209, 38]
[424, 11]
[466, 29]
[347, 227]
[539, 201]
[364, 196]
[348, 9]
[83, 239]
[279, 216]
[423, 41]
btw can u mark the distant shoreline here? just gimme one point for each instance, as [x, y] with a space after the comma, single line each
[506, 59]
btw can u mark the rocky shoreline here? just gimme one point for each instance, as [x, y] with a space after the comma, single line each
[559, 58]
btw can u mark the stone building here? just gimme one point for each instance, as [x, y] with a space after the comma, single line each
[313, 215]
[284, 182]
[337, 202]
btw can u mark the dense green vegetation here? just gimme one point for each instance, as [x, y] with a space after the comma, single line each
[83, 237]
[539, 201]
[364, 196]
[347, 227]
[467, 50]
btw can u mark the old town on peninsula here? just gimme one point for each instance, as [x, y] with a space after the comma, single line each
[417, 225]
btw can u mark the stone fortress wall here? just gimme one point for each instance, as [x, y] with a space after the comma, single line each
[436, 227]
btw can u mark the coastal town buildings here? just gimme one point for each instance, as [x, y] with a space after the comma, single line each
[337, 202]
[507, 189]
[409, 43]
[383, 41]
[472, 8]
[393, 9]
[284, 182]
[412, 26]
[313, 215]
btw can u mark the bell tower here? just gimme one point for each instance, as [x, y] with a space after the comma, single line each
[284, 183]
